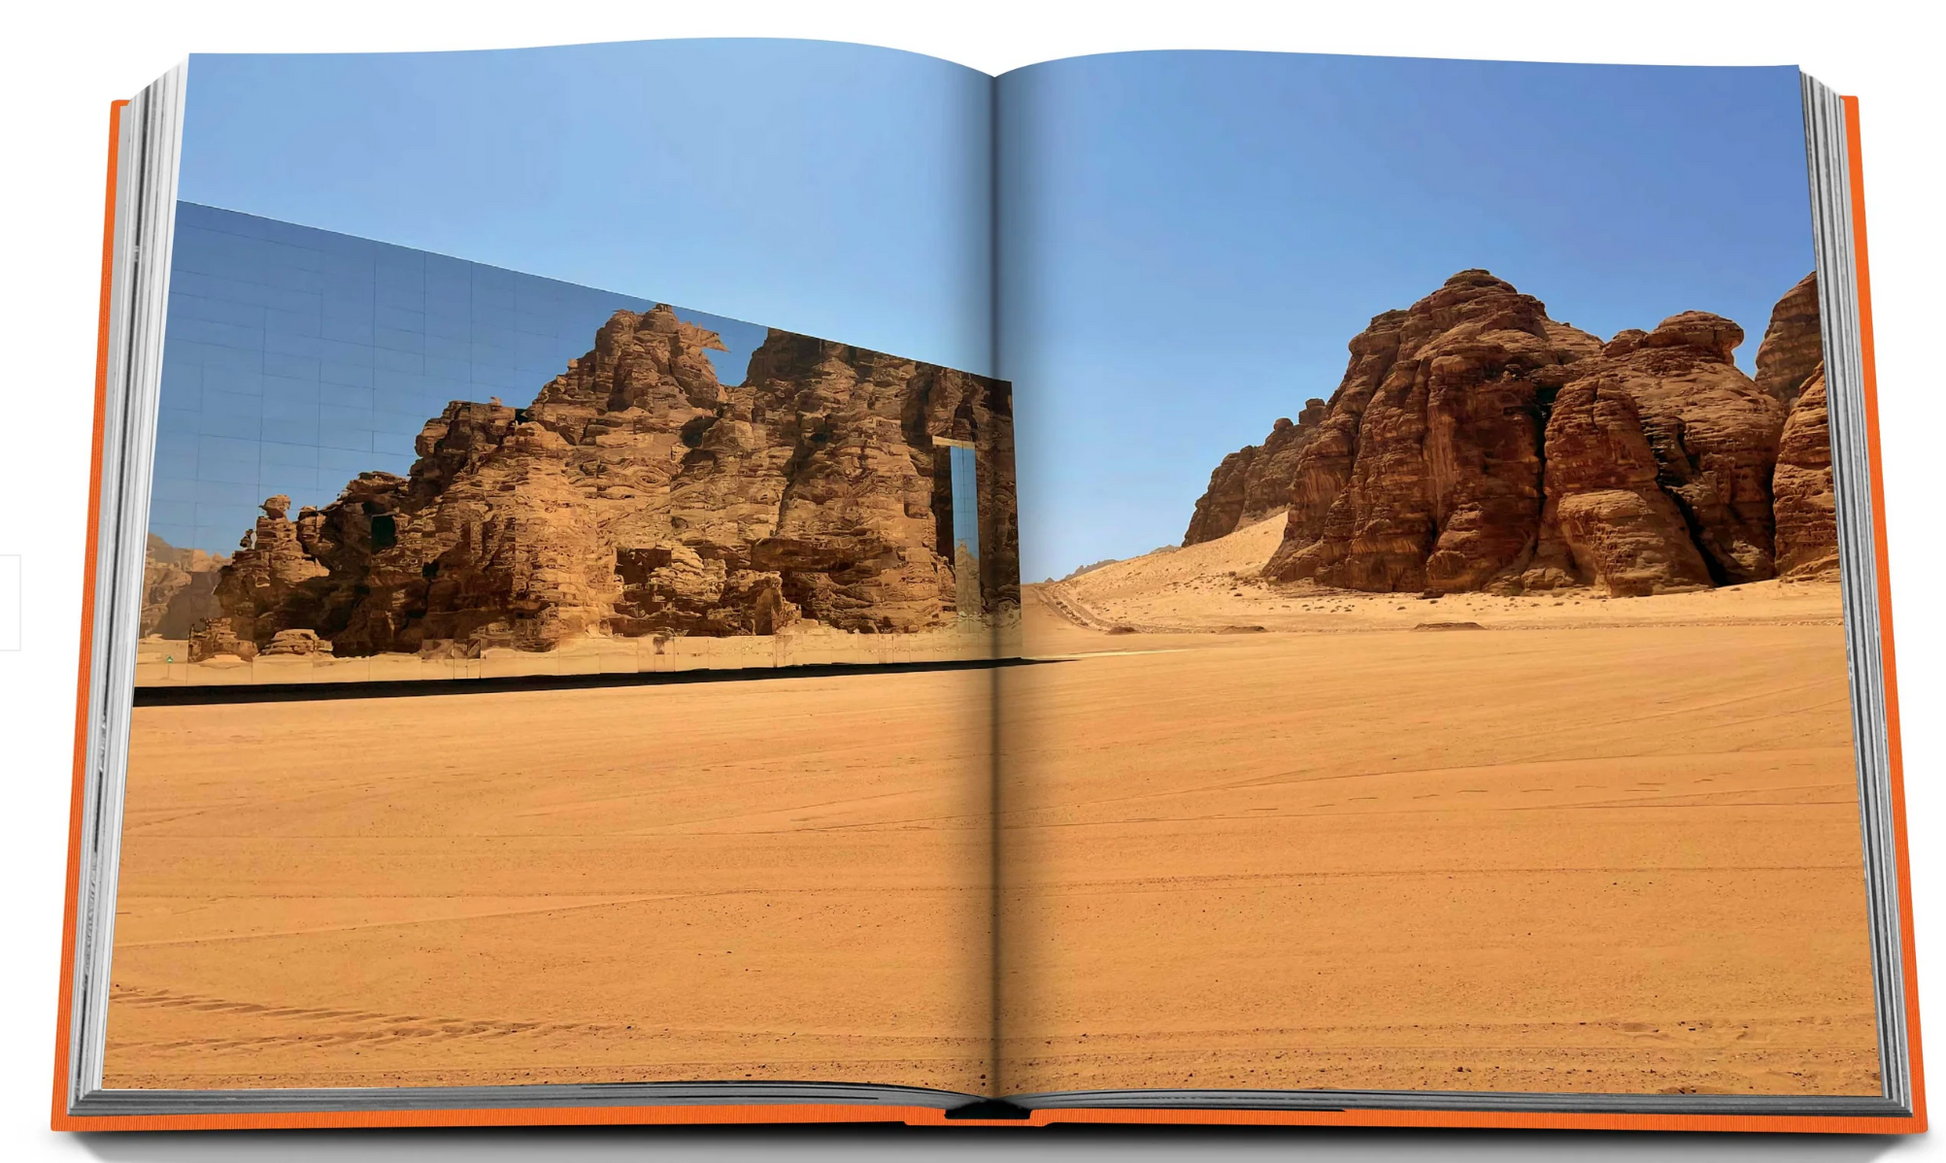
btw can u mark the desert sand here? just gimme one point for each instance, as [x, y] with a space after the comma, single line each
[781, 878]
[1589, 846]
[1276, 837]
[1215, 587]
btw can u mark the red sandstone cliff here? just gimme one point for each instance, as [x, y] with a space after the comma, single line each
[1427, 474]
[1474, 443]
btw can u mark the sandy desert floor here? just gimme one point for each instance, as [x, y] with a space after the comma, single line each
[1214, 587]
[782, 878]
[1590, 846]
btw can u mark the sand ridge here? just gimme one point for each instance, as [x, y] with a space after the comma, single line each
[1216, 587]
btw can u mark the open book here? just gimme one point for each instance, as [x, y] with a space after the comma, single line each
[769, 580]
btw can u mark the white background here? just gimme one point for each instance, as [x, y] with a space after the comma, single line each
[64, 63]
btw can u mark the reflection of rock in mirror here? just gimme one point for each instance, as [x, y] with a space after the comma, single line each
[830, 490]
[641, 496]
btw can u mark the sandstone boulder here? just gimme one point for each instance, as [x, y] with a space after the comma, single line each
[1806, 502]
[215, 639]
[299, 643]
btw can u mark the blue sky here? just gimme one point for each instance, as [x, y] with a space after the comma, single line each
[297, 358]
[834, 190]
[1190, 239]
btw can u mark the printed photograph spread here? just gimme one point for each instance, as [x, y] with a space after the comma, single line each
[1197, 581]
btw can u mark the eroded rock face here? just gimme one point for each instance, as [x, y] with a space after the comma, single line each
[1475, 443]
[178, 588]
[1254, 482]
[266, 572]
[1427, 473]
[1806, 503]
[1712, 431]
[638, 495]
[1792, 348]
[1606, 520]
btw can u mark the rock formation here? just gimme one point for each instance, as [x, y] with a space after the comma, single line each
[1806, 503]
[1254, 482]
[1427, 473]
[1474, 443]
[178, 588]
[1790, 366]
[1606, 519]
[638, 495]
[295, 642]
[1792, 347]
[267, 571]
[1712, 434]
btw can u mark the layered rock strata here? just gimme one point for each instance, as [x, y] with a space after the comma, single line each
[638, 495]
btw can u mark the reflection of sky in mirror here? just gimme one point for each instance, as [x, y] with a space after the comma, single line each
[833, 189]
[966, 498]
[295, 359]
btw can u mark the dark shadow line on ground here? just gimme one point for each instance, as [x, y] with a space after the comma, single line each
[150, 696]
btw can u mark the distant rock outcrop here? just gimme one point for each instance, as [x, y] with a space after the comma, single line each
[638, 495]
[1792, 347]
[1254, 482]
[1474, 443]
[178, 588]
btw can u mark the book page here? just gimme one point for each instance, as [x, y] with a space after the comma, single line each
[580, 518]
[1440, 677]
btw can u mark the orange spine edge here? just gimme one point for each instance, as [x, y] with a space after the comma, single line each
[1855, 161]
[64, 1009]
